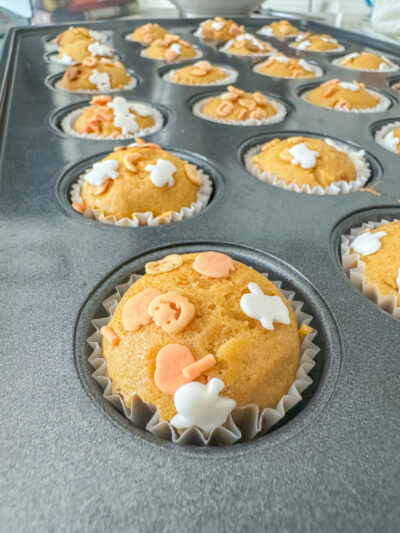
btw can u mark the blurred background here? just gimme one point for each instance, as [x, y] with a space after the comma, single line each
[377, 18]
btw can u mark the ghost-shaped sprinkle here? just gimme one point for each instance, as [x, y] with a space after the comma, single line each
[200, 405]
[101, 80]
[162, 173]
[368, 243]
[350, 86]
[97, 49]
[303, 156]
[127, 123]
[266, 309]
[65, 59]
[102, 171]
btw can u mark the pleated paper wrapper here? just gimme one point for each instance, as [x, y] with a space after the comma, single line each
[381, 134]
[231, 77]
[383, 105]
[391, 68]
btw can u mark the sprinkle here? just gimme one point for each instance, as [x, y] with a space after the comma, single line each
[264, 308]
[110, 335]
[101, 171]
[303, 156]
[370, 190]
[368, 243]
[162, 172]
[170, 362]
[100, 79]
[135, 311]
[168, 263]
[304, 330]
[172, 311]
[78, 206]
[213, 264]
[193, 371]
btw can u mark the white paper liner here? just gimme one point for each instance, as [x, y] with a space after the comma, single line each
[383, 105]
[317, 71]
[380, 136]
[231, 76]
[244, 423]
[128, 87]
[146, 218]
[226, 46]
[199, 54]
[361, 165]
[278, 117]
[340, 48]
[392, 66]
[354, 268]
[69, 120]
[52, 57]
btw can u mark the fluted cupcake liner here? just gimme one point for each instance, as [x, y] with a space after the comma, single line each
[317, 71]
[269, 32]
[393, 67]
[128, 87]
[225, 50]
[147, 218]
[383, 105]
[231, 76]
[244, 423]
[280, 114]
[361, 165]
[199, 54]
[69, 120]
[381, 134]
[354, 268]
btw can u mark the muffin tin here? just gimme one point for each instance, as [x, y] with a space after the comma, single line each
[74, 462]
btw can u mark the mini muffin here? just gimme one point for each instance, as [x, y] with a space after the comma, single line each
[239, 107]
[345, 96]
[201, 73]
[201, 323]
[111, 118]
[170, 48]
[246, 44]
[389, 137]
[77, 33]
[79, 50]
[307, 164]
[371, 259]
[94, 74]
[281, 66]
[316, 43]
[148, 33]
[219, 29]
[280, 28]
[365, 61]
[137, 179]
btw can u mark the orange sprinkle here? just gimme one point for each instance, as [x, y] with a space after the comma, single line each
[79, 207]
[304, 330]
[134, 312]
[170, 362]
[110, 335]
[371, 190]
[213, 264]
[194, 370]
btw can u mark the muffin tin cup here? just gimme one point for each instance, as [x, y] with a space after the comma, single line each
[354, 268]
[337, 50]
[147, 218]
[198, 55]
[316, 70]
[337, 187]
[280, 115]
[383, 105]
[231, 77]
[392, 68]
[381, 134]
[244, 424]
[128, 87]
[69, 120]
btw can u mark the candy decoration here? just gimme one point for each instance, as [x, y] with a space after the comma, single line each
[110, 335]
[213, 264]
[168, 263]
[172, 311]
[134, 312]
[194, 370]
[266, 309]
[368, 243]
[170, 362]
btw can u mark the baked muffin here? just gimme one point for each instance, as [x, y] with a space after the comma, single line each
[280, 28]
[365, 61]
[139, 179]
[236, 106]
[112, 118]
[316, 43]
[94, 75]
[378, 258]
[148, 33]
[201, 73]
[246, 44]
[78, 33]
[170, 48]
[345, 96]
[75, 52]
[194, 319]
[281, 66]
[389, 137]
[219, 29]
[306, 163]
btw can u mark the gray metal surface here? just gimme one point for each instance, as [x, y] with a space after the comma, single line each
[69, 462]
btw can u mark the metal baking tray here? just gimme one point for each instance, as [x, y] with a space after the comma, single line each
[70, 461]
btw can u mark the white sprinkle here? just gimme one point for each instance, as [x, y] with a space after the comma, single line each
[161, 174]
[102, 171]
[384, 67]
[303, 156]
[266, 31]
[141, 110]
[281, 58]
[97, 49]
[266, 309]
[303, 63]
[391, 141]
[349, 86]
[101, 37]
[328, 39]
[101, 80]
[251, 38]
[217, 25]
[175, 47]
[65, 59]
[368, 243]
[303, 45]
[127, 123]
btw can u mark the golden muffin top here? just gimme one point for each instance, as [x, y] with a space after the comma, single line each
[219, 29]
[170, 48]
[195, 318]
[79, 50]
[247, 45]
[343, 96]
[282, 66]
[73, 34]
[379, 250]
[95, 75]
[148, 33]
[280, 28]
[305, 161]
[200, 73]
[140, 178]
[316, 43]
[365, 61]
